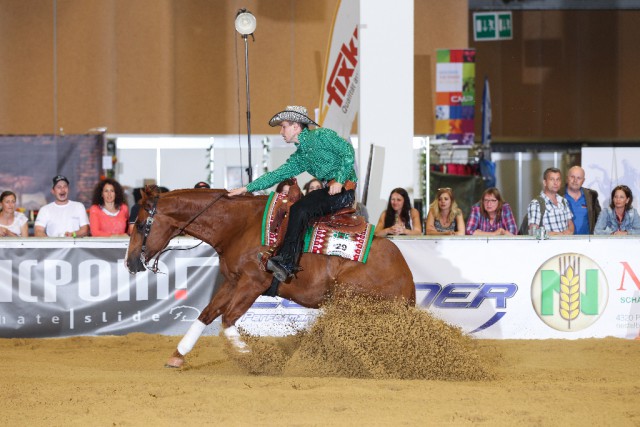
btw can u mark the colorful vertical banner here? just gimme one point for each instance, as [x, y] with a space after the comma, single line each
[339, 96]
[455, 95]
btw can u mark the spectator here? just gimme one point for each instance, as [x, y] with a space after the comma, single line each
[620, 217]
[12, 222]
[202, 184]
[312, 185]
[445, 217]
[399, 218]
[583, 202]
[283, 186]
[62, 217]
[491, 216]
[555, 216]
[108, 213]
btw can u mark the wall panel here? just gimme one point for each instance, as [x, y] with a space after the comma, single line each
[26, 64]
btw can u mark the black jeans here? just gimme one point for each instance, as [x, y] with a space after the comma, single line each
[310, 207]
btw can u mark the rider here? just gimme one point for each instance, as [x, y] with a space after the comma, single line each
[325, 155]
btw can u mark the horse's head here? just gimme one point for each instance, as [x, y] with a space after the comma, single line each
[152, 231]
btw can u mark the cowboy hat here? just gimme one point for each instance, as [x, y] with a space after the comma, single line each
[293, 113]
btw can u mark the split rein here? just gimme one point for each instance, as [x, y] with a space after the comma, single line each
[147, 230]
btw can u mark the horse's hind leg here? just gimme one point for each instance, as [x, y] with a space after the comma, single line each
[208, 315]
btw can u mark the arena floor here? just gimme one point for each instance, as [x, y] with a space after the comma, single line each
[121, 381]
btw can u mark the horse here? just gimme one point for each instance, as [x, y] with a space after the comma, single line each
[232, 226]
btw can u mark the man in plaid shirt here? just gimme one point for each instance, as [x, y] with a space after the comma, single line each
[558, 218]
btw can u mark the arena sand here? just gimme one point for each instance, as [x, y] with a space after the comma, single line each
[360, 364]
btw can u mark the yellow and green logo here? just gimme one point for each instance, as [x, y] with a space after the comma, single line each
[569, 292]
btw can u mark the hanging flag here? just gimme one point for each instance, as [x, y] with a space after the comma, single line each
[339, 95]
[486, 113]
[455, 95]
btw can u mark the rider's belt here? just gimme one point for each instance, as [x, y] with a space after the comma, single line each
[348, 185]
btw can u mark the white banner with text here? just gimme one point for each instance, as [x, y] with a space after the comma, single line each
[517, 288]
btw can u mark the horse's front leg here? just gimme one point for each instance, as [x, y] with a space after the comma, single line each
[208, 315]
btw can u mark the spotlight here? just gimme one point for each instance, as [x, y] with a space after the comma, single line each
[245, 22]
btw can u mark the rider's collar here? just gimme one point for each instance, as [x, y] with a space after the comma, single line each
[302, 136]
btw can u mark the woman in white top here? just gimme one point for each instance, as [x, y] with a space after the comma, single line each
[12, 223]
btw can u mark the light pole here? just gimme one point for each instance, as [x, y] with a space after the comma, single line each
[246, 25]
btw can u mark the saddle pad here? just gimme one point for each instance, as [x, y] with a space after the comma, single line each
[322, 239]
[269, 235]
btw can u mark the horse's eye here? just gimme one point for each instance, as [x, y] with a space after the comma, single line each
[140, 226]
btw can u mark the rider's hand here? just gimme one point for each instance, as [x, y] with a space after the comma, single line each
[237, 192]
[335, 188]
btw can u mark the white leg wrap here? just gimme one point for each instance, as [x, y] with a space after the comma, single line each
[191, 337]
[233, 336]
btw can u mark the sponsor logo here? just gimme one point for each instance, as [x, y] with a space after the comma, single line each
[467, 296]
[184, 313]
[94, 280]
[343, 71]
[569, 292]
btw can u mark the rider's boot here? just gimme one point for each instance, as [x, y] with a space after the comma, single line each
[282, 269]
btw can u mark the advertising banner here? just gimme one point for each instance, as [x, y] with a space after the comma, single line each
[455, 95]
[60, 288]
[339, 96]
[507, 288]
[522, 288]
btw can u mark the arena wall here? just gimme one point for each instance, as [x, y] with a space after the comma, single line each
[497, 288]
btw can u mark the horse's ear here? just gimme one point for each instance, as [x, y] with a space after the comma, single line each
[149, 192]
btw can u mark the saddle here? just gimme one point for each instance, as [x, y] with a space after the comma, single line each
[343, 221]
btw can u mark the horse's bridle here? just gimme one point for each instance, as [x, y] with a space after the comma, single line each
[145, 233]
[147, 230]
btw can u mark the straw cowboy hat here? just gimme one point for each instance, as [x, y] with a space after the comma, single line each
[293, 113]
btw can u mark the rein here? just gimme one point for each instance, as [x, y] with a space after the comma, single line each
[147, 230]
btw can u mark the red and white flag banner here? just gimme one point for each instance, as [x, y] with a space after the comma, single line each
[339, 96]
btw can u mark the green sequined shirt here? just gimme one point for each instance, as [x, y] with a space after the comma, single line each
[321, 152]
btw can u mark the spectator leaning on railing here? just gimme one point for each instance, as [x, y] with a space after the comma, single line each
[583, 202]
[62, 217]
[491, 216]
[444, 218]
[399, 218]
[619, 218]
[557, 218]
[12, 222]
[108, 214]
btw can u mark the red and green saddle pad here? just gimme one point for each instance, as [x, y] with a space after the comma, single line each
[322, 239]
[269, 235]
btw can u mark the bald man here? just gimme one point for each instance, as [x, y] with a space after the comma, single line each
[583, 201]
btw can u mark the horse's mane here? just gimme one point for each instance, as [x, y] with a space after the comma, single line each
[150, 192]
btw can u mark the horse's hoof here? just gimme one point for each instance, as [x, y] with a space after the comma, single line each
[174, 362]
[243, 350]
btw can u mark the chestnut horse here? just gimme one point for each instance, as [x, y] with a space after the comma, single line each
[232, 226]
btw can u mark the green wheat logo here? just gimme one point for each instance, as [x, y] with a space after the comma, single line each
[569, 288]
[569, 292]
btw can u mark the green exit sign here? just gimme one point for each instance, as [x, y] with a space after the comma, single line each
[492, 26]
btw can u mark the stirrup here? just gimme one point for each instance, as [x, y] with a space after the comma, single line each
[264, 257]
[280, 272]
